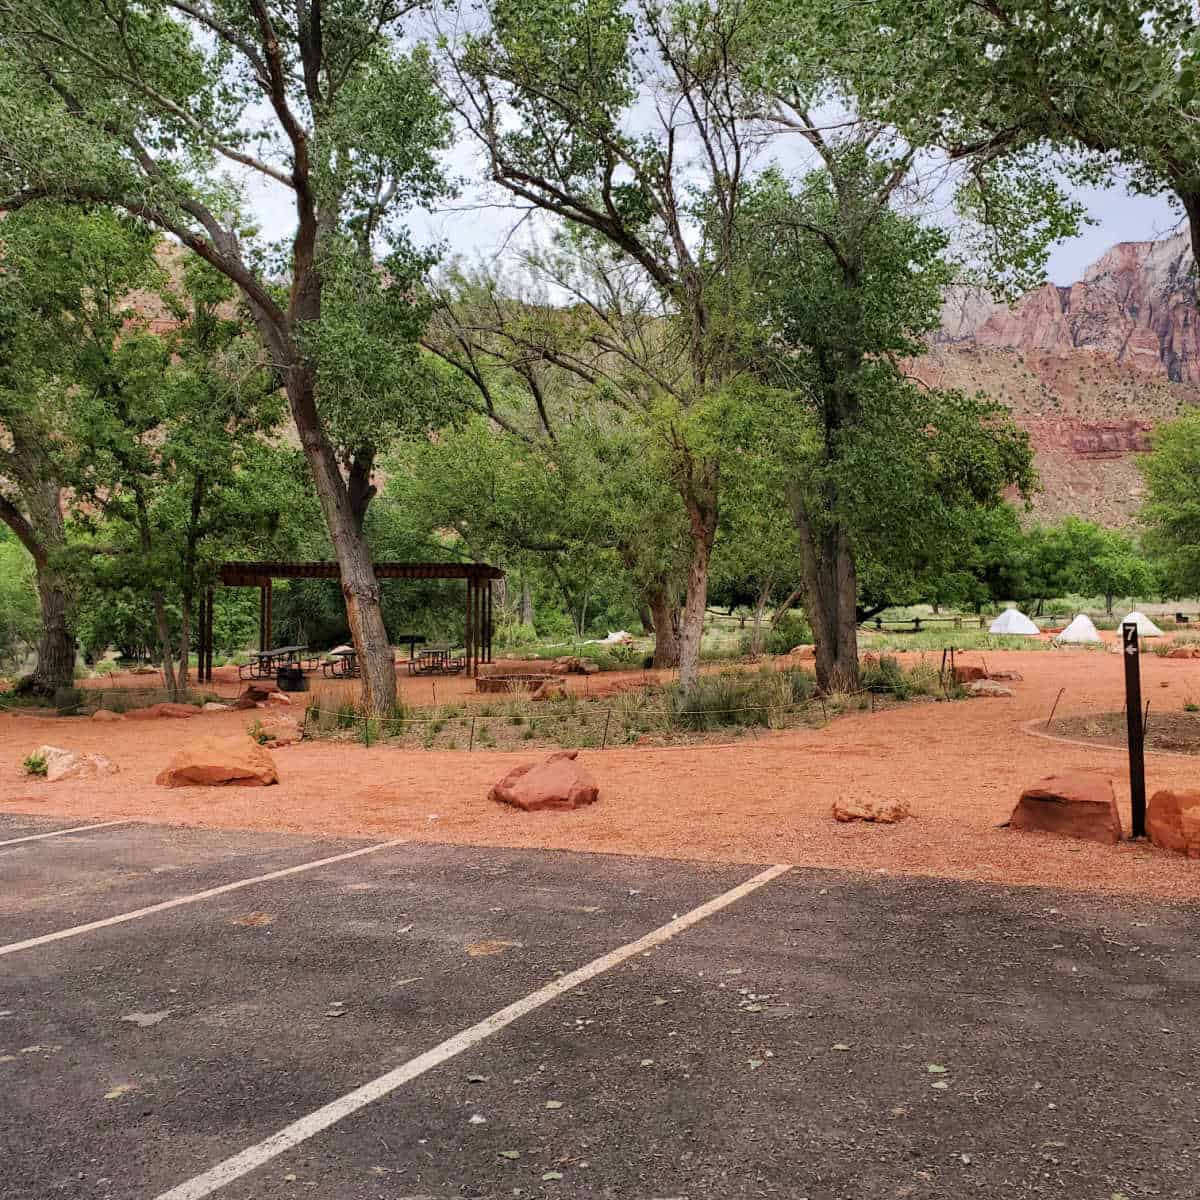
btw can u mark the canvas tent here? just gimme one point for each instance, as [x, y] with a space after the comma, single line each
[1145, 626]
[1080, 630]
[1013, 622]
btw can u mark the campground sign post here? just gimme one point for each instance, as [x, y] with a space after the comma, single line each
[1135, 731]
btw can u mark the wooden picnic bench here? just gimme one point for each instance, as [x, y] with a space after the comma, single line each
[265, 663]
[436, 660]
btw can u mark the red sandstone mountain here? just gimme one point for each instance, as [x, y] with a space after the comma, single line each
[1088, 369]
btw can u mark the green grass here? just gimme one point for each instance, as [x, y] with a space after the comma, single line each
[34, 764]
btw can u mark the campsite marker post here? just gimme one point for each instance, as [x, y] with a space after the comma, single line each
[1135, 731]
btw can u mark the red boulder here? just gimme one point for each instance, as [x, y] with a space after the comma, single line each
[154, 711]
[1173, 821]
[215, 761]
[1078, 804]
[968, 674]
[556, 782]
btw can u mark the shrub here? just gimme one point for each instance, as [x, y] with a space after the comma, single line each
[789, 631]
[887, 675]
[35, 764]
[737, 699]
[515, 636]
[67, 699]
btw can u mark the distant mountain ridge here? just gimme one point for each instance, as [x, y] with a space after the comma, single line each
[1136, 304]
[1089, 369]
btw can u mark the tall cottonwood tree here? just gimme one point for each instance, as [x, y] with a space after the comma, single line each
[140, 103]
[64, 280]
[627, 121]
[876, 466]
[567, 385]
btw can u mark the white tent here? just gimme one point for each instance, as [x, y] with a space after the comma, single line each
[1013, 621]
[1080, 630]
[1145, 626]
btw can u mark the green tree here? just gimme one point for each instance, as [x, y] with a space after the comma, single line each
[1171, 511]
[176, 436]
[555, 383]
[20, 619]
[885, 477]
[63, 288]
[1078, 556]
[1112, 86]
[627, 121]
[140, 104]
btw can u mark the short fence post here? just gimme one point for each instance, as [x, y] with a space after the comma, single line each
[471, 743]
[607, 718]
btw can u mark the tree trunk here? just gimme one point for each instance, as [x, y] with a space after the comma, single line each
[41, 530]
[164, 645]
[360, 588]
[700, 500]
[756, 630]
[1108, 603]
[646, 617]
[831, 587]
[56, 645]
[666, 643]
[187, 586]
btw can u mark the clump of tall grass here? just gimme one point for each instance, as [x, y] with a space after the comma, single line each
[887, 675]
[736, 699]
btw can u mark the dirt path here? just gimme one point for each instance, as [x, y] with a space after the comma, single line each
[960, 765]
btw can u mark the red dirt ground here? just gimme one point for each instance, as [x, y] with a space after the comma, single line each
[960, 766]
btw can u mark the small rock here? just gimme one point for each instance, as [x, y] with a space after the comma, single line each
[146, 1020]
[882, 812]
[985, 687]
[74, 764]
[213, 706]
[106, 714]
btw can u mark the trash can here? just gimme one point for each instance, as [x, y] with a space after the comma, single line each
[291, 679]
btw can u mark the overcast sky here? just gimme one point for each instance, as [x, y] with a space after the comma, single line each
[471, 228]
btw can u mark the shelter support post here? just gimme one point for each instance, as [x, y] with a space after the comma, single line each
[488, 626]
[468, 631]
[264, 614]
[208, 634]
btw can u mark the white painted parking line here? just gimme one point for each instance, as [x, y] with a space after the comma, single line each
[207, 894]
[36, 837]
[307, 1126]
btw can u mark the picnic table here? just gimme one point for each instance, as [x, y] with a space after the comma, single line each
[412, 641]
[264, 663]
[342, 664]
[436, 659]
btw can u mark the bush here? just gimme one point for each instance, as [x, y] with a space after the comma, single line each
[35, 764]
[515, 636]
[789, 631]
[67, 699]
[738, 699]
[888, 676]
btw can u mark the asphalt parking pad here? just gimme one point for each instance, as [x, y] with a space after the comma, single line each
[141, 1054]
[17, 825]
[56, 883]
[829, 1037]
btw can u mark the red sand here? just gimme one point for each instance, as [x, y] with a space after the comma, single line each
[961, 767]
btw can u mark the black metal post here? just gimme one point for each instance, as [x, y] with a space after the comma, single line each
[1135, 731]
